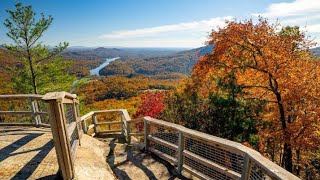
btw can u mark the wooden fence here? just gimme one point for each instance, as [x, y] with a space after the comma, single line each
[206, 156]
[66, 129]
[94, 126]
[31, 104]
[203, 155]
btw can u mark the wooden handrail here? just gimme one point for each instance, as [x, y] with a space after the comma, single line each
[34, 99]
[249, 156]
[59, 96]
[21, 96]
[23, 112]
[271, 169]
[125, 118]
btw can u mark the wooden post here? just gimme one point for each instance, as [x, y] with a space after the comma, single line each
[84, 126]
[36, 104]
[146, 133]
[180, 151]
[61, 143]
[76, 118]
[34, 112]
[247, 164]
[128, 132]
[125, 128]
[122, 126]
[94, 119]
[60, 134]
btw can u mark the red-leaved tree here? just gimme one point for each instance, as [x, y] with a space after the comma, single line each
[152, 104]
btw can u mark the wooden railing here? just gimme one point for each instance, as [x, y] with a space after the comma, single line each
[30, 107]
[203, 155]
[66, 129]
[206, 156]
[93, 126]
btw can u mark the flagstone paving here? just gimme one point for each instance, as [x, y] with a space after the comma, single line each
[27, 153]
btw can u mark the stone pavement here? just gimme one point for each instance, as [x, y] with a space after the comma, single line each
[130, 162]
[90, 161]
[27, 153]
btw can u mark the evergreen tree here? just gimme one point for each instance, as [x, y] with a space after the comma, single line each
[42, 66]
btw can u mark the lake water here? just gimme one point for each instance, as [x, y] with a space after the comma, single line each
[96, 70]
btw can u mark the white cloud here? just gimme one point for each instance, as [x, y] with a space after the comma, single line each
[190, 42]
[200, 26]
[302, 19]
[295, 8]
[313, 28]
[304, 13]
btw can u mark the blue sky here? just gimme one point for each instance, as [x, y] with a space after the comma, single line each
[158, 23]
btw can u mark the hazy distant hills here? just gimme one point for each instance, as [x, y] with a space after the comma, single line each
[169, 66]
[102, 52]
[316, 51]
[162, 63]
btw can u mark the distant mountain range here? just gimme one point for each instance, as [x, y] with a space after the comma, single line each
[316, 51]
[163, 63]
[169, 66]
[102, 52]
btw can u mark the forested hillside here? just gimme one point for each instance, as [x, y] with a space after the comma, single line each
[316, 51]
[102, 52]
[7, 65]
[164, 67]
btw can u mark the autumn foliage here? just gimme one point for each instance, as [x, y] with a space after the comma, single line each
[152, 104]
[274, 67]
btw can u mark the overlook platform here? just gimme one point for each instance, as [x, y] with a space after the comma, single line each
[27, 152]
[123, 148]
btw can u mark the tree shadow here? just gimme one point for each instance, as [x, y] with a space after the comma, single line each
[52, 177]
[7, 151]
[32, 165]
[171, 169]
[122, 175]
[136, 159]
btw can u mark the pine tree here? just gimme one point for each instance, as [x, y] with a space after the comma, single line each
[42, 66]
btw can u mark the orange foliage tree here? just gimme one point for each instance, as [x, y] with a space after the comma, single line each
[274, 67]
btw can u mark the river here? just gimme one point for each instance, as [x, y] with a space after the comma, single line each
[96, 70]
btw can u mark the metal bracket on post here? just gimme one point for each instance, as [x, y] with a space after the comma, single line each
[146, 133]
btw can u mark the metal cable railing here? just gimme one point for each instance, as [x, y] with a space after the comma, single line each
[206, 156]
[203, 155]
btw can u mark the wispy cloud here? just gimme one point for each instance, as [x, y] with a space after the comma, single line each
[295, 8]
[200, 26]
[313, 28]
[304, 13]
